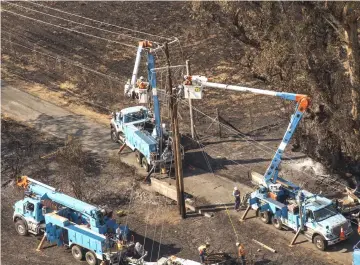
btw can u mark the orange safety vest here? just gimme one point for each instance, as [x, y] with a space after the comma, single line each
[241, 251]
[202, 250]
[141, 84]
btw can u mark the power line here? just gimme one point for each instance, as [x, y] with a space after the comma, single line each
[73, 30]
[71, 21]
[212, 171]
[63, 59]
[146, 222]
[209, 166]
[152, 246]
[253, 141]
[101, 22]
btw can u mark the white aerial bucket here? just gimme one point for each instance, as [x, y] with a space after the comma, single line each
[143, 96]
[193, 92]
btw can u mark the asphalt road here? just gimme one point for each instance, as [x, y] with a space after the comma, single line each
[52, 119]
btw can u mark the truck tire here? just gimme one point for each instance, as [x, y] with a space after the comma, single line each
[113, 134]
[145, 164]
[20, 227]
[277, 223]
[91, 258]
[265, 217]
[138, 157]
[320, 242]
[77, 252]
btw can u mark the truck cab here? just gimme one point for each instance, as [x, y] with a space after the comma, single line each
[138, 117]
[28, 216]
[135, 127]
[324, 224]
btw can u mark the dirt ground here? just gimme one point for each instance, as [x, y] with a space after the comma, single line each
[148, 214]
[249, 117]
[230, 156]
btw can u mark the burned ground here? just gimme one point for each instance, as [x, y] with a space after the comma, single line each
[115, 185]
[219, 44]
[248, 117]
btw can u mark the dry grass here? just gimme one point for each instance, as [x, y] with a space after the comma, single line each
[68, 86]
[58, 98]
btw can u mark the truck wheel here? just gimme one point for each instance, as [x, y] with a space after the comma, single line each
[145, 164]
[77, 252]
[320, 242]
[277, 223]
[265, 217]
[114, 136]
[138, 157]
[20, 227]
[90, 258]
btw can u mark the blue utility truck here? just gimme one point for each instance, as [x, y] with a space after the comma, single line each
[139, 128]
[89, 231]
[281, 202]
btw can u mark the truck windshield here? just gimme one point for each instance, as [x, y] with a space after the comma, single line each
[325, 213]
[135, 116]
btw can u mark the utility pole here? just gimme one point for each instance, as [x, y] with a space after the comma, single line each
[188, 72]
[176, 139]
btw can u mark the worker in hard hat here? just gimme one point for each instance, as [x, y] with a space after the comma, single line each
[241, 253]
[203, 252]
[141, 84]
[236, 194]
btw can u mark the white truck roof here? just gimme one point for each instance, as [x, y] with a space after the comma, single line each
[133, 109]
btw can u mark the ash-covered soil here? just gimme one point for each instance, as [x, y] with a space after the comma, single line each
[109, 182]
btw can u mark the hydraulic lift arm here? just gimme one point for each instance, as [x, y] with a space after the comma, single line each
[147, 46]
[271, 174]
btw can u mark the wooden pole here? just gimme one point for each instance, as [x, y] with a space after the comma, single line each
[176, 140]
[264, 246]
[188, 72]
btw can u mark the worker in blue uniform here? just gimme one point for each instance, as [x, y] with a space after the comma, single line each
[236, 194]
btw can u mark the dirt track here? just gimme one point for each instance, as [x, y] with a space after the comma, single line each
[186, 235]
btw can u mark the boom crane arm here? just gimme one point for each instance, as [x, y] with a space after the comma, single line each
[47, 192]
[271, 174]
[147, 47]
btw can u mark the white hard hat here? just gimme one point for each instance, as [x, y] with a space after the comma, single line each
[235, 188]
[237, 244]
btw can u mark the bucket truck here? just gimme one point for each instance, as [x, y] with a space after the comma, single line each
[89, 231]
[277, 200]
[137, 127]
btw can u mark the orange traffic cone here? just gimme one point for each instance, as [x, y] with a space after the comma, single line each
[342, 234]
[358, 227]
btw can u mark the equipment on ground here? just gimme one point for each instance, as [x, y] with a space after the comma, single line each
[280, 201]
[213, 258]
[88, 230]
[137, 127]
